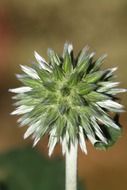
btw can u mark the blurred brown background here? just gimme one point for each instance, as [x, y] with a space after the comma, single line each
[26, 26]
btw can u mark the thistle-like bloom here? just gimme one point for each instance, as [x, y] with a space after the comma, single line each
[70, 99]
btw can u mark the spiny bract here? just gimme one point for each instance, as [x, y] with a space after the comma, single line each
[70, 99]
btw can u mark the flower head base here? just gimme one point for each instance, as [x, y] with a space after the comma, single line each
[70, 99]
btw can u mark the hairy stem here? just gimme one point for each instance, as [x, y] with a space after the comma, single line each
[71, 167]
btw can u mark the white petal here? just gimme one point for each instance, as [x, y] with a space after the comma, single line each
[110, 104]
[98, 130]
[39, 58]
[108, 122]
[64, 145]
[107, 86]
[42, 62]
[22, 110]
[65, 142]
[30, 71]
[52, 141]
[23, 121]
[21, 89]
[31, 129]
[116, 91]
[82, 140]
[111, 71]
[112, 84]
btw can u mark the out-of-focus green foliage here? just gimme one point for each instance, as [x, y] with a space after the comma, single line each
[26, 169]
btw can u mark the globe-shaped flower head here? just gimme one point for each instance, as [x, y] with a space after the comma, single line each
[70, 99]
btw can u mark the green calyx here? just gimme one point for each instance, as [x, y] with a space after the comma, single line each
[70, 99]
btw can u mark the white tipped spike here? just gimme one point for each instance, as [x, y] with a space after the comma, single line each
[111, 70]
[42, 62]
[65, 142]
[23, 121]
[108, 122]
[52, 145]
[39, 58]
[86, 49]
[19, 76]
[30, 71]
[82, 140]
[64, 145]
[115, 91]
[98, 131]
[36, 141]
[52, 141]
[70, 48]
[107, 86]
[22, 110]
[114, 69]
[109, 104]
[67, 48]
[31, 129]
[92, 55]
[112, 84]
[21, 89]
[92, 139]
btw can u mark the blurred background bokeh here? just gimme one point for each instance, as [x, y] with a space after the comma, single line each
[26, 26]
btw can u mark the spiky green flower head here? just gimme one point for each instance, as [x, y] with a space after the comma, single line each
[70, 99]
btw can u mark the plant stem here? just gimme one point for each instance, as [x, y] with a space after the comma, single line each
[71, 167]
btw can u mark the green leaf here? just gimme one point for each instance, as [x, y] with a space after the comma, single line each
[112, 136]
[100, 145]
[111, 133]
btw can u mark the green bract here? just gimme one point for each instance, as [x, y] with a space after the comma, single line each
[70, 99]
